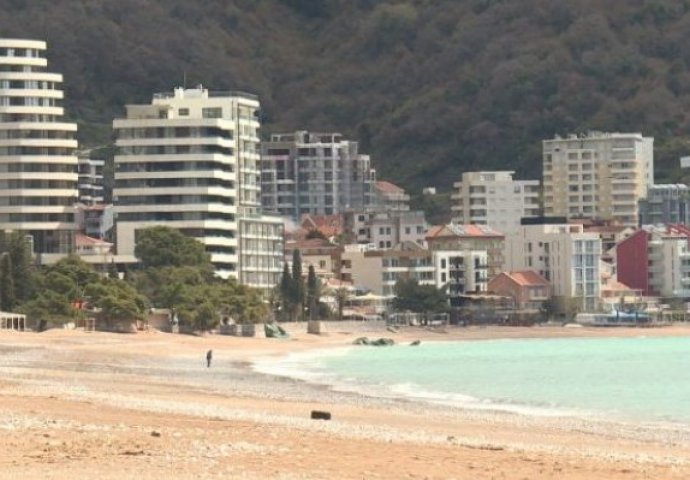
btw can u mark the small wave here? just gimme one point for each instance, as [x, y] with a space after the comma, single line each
[311, 367]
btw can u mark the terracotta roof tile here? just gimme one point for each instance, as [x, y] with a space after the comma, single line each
[388, 187]
[527, 278]
[457, 230]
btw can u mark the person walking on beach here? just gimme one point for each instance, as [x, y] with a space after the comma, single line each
[209, 357]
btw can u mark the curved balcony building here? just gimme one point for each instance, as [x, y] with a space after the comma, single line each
[189, 161]
[38, 162]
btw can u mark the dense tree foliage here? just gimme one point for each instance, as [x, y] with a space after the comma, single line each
[431, 88]
[166, 247]
[182, 280]
[410, 295]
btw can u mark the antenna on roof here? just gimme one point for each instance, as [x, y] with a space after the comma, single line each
[184, 79]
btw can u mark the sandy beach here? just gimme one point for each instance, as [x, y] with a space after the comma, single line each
[97, 405]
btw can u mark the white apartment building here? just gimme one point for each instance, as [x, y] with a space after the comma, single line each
[563, 254]
[261, 251]
[461, 272]
[457, 272]
[189, 160]
[90, 180]
[495, 199]
[38, 163]
[314, 173]
[598, 175]
[385, 229]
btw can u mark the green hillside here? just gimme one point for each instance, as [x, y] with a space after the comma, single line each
[430, 87]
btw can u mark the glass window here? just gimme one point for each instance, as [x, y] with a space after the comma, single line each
[216, 112]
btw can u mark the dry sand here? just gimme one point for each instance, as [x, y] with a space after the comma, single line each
[95, 405]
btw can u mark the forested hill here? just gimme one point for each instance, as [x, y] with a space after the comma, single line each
[430, 87]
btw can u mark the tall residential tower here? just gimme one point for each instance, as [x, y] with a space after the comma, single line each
[189, 160]
[315, 173]
[598, 175]
[38, 163]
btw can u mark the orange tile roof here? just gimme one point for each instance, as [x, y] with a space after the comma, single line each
[388, 187]
[456, 230]
[527, 278]
[82, 240]
[328, 225]
[308, 243]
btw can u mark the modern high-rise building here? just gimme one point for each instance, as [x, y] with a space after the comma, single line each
[38, 163]
[495, 199]
[598, 175]
[314, 173]
[668, 203]
[90, 179]
[189, 160]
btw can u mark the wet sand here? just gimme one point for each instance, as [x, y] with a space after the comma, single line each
[96, 405]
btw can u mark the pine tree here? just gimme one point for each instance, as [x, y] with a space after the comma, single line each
[286, 291]
[312, 292]
[7, 292]
[297, 283]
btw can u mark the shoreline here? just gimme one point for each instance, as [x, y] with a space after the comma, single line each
[160, 380]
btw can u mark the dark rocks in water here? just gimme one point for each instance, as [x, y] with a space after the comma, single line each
[415, 343]
[320, 415]
[381, 342]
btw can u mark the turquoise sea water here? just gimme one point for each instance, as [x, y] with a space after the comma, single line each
[643, 379]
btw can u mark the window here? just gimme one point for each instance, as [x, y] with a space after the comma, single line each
[183, 112]
[212, 112]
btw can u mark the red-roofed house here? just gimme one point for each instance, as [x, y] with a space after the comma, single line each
[86, 246]
[329, 225]
[453, 237]
[389, 196]
[527, 288]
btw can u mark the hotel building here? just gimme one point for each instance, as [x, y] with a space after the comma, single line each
[598, 175]
[189, 160]
[38, 163]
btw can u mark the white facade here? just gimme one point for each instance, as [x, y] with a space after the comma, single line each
[461, 272]
[564, 255]
[38, 164]
[261, 251]
[189, 161]
[90, 180]
[457, 272]
[495, 199]
[600, 175]
[314, 173]
[386, 229]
